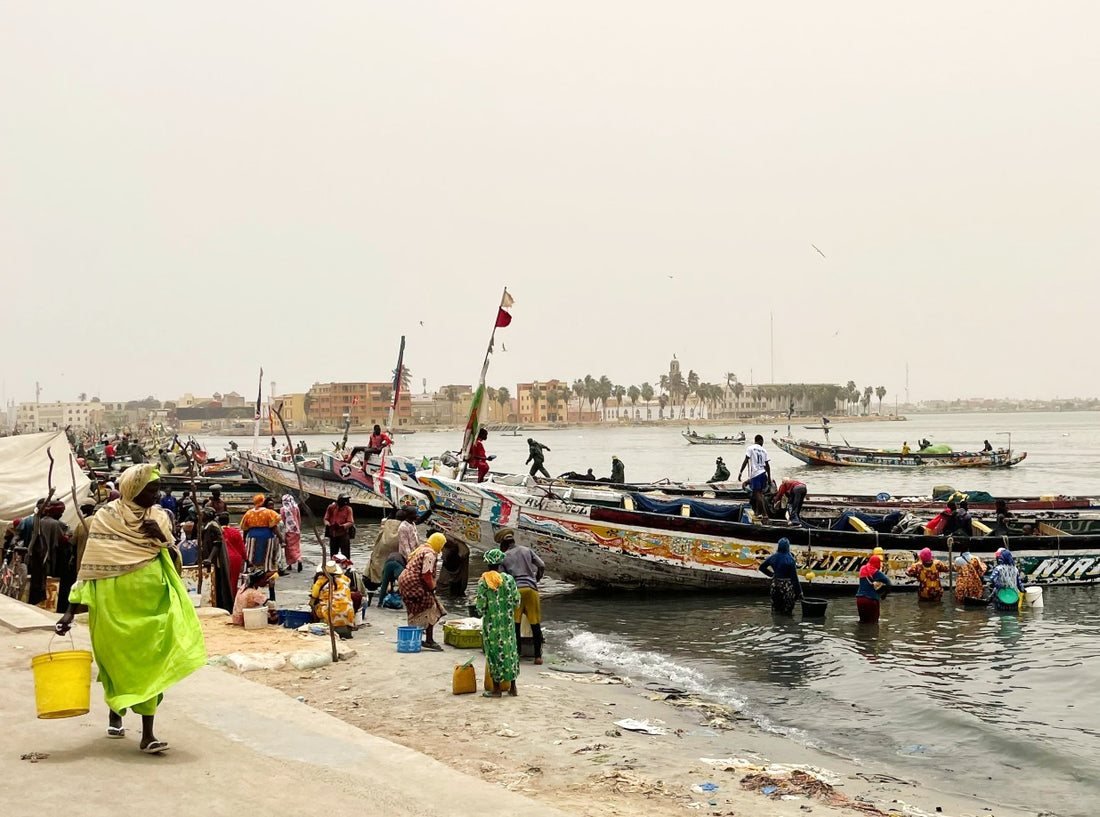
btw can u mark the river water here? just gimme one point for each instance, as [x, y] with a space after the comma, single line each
[1004, 707]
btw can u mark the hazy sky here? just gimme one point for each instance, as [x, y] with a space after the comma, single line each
[189, 191]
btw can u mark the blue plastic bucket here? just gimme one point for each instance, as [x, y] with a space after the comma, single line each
[408, 639]
[293, 619]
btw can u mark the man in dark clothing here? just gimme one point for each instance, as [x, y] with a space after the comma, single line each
[618, 471]
[536, 457]
[721, 472]
[49, 547]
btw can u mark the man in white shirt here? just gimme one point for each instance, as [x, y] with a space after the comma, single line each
[760, 474]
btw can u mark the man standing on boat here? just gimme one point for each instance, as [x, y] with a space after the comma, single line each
[536, 457]
[618, 471]
[760, 474]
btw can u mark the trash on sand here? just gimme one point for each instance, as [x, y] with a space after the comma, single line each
[625, 782]
[644, 727]
[702, 787]
[34, 757]
[507, 733]
[591, 747]
[798, 782]
[613, 733]
[579, 715]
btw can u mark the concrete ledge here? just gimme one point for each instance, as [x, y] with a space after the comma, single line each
[21, 618]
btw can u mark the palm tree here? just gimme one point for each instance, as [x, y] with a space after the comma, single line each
[591, 391]
[647, 395]
[738, 388]
[633, 393]
[406, 378]
[503, 397]
[553, 397]
[578, 392]
[618, 392]
[693, 384]
[490, 397]
[677, 390]
[604, 388]
[662, 401]
[662, 383]
[868, 392]
[82, 397]
[536, 395]
[880, 392]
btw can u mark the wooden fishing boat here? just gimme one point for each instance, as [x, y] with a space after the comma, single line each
[710, 439]
[276, 473]
[813, 453]
[625, 547]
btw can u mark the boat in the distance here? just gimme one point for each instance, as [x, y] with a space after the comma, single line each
[936, 456]
[710, 439]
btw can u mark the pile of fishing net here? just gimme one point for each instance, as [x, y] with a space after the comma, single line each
[800, 783]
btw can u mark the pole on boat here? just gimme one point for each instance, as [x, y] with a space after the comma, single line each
[186, 449]
[473, 423]
[313, 524]
[950, 562]
[256, 426]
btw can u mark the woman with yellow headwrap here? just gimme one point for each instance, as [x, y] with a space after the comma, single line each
[417, 588]
[145, 634]
[497, 600]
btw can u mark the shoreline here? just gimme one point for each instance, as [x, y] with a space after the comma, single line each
[557, 742]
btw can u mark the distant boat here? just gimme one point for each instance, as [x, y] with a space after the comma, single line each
[710, 439]
[936, 456]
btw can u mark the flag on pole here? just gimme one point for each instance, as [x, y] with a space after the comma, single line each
[503, 316]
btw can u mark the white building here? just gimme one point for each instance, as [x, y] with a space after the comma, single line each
[31, 417]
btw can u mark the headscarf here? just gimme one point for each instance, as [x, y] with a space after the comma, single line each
[960, 561]
[504, 533]
[292, 517]
[492, 577]
[117, 544]
[874, 564]
[926, 556]
[436, 542]
[258, 500]
[783, 553]
[1005, 557]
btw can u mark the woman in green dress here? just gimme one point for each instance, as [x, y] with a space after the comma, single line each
[497, 600]
[145, 633]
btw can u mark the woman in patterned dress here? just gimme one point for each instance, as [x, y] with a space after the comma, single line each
[497, 600]
[417, 588]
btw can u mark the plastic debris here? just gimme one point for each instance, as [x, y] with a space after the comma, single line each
[644, 727]
[306, 659]
[798, 782]
[700, 788]
[253, 661]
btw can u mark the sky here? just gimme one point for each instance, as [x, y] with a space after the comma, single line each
[191, 191]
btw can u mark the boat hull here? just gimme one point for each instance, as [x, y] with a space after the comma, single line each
[813, 453]
[616, 548]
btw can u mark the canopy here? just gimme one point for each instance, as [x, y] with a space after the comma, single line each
[24, 470]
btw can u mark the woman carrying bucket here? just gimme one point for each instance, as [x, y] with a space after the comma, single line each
[145, 633]
[1007, 583]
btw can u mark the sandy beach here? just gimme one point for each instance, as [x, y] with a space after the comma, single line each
[557, 741]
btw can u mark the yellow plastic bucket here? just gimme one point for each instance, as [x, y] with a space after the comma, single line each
[62, 683]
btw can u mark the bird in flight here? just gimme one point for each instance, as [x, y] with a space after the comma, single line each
[422, 323]
[819, 252]
[503, 348]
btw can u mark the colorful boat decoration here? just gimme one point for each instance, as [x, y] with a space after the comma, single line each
[599, 546]
[710, 439]
[393, 484]
[813, 453]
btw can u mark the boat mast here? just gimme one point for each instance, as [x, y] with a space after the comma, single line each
[256, 419]
[473, 423]
[396, 384]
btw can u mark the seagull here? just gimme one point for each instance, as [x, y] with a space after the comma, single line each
[503, 348]
[819, 252]
[422, 323]
[670, 277]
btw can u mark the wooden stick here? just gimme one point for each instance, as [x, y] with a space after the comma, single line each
[195, 502]
[313, 524]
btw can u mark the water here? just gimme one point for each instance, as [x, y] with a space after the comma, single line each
[932, 692]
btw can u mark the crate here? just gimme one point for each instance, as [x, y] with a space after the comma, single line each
[463, 639]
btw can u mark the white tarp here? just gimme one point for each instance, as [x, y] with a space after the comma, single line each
[24, 471]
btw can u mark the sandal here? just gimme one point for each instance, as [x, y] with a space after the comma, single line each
[155, 747]
[116, 732]
[435, 646]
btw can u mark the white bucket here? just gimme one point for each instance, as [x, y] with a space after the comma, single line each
[1034, 596]
[255, 618]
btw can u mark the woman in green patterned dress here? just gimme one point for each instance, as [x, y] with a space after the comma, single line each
[497, 600]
